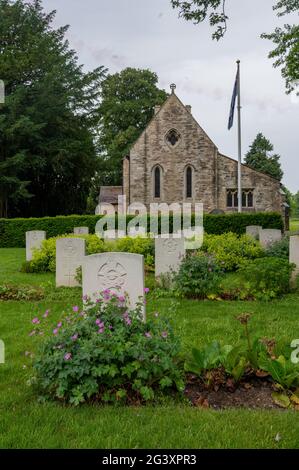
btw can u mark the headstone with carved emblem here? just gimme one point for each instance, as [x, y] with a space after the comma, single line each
[70, 253]
[169, 253]
[119, 273]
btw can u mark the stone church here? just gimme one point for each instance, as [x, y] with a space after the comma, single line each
[174, 160]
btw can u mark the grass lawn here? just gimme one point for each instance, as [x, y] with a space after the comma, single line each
[294, 225]
[25, 423]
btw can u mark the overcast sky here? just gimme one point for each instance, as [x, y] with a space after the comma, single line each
[148, 34]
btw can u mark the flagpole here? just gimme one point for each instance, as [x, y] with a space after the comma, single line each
[239, 143]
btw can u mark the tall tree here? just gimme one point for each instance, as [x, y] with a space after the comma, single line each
[261, 157]
[128, 101]
[286, 39]
[47, 149]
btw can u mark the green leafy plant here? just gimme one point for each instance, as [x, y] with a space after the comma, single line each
[20, 292]
[199, 276]
[231, 250]
[267, 278]
[106, 353]
[255, 356]
[279, 249]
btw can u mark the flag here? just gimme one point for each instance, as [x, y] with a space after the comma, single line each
[233, 103]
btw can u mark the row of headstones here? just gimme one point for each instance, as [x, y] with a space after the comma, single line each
[123, 272]
[266, 236]
[35, 238]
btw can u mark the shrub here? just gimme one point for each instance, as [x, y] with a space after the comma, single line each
[240, 360]
[267, 278]
[107, 354]
[12, 231]
[279, 249]
[19, 292]
[198, 277]
[231, 250]
[44, 259]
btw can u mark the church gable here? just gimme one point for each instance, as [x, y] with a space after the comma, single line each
[174, 161]
[172, 142]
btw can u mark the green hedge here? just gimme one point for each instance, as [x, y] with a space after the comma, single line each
[12, 231]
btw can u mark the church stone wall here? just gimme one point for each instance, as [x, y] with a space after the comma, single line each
[266, 190]
[213, 173]
[194, 148]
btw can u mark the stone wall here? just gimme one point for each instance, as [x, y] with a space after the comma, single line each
[266, 194]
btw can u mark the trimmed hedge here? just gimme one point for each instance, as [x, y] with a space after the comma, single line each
[12, 231]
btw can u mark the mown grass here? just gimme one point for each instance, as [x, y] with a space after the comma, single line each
[26, 423]
[294, 225]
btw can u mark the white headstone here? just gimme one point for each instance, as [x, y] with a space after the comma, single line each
[254, 231]
[70, 254]
[81, 230]
[169, 253]
[294, 254]
[34, 239]
[269, 236]
[121, 273]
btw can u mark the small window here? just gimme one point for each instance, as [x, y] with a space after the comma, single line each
[229, 199]
[235, 199]
[189, 182]
[232, 198]
[157, 182]
[172, 137]
[250, 199]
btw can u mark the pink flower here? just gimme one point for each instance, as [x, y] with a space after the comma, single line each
[106, 291]
[46, 314]
[35, 321]
[146, 290]
[128, 321]
[75, 309]
[164, 334]
[75, 337]
[99, 323]
[67, 356]
[101, 330]
[32, 333]
[121, 298]
[148, 335]
[55, 331]
[59, 325]
[85, 298]
[110, 327]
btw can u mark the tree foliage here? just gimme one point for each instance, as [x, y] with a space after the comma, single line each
[128, 101]
[286, 39]
[47, 150]
[260, 157]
